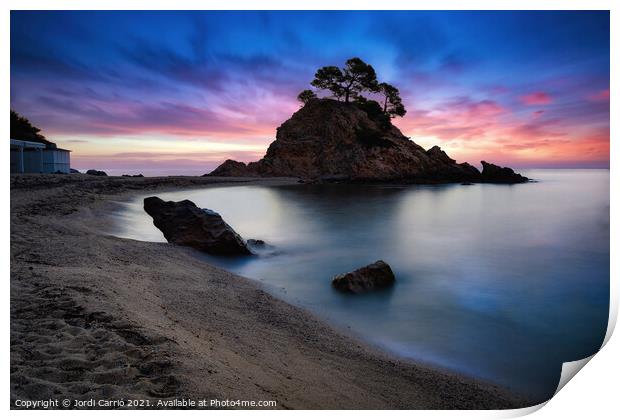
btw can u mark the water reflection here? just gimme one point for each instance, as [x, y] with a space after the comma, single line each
[501, 282]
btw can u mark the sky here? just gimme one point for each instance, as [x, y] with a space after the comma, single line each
[179, 92]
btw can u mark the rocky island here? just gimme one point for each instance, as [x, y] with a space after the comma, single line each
[355, 140]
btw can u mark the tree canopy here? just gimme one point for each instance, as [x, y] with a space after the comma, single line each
[348, 84]
[329, 78]
[306, 96]
[392, 103]
[373, 109]
[22, 129]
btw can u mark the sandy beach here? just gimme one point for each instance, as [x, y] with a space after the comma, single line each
[96, 316]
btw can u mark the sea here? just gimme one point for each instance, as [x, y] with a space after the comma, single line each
[503, 283]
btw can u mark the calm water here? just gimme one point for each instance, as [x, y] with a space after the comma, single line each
[499, 282]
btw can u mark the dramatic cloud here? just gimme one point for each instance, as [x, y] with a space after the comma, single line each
[186, 90]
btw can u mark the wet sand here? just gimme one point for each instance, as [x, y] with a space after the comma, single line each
[96, 316]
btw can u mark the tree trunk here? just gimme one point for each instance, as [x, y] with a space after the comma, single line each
[385, 105]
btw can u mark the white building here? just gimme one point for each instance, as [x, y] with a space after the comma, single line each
[36, 157]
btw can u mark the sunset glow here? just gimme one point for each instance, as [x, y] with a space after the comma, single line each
[179, 92]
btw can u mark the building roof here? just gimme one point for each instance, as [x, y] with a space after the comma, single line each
[36, 145]
[27, 143]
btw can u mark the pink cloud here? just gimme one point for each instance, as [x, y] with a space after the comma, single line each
[149, 163]
[460, 118]
[471, 130]
[602, 95]
[536, 98]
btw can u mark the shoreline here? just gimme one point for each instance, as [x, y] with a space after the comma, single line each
[94, 315]
[108, 209]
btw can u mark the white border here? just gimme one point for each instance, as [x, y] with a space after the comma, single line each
[311, 5]
[593, 394]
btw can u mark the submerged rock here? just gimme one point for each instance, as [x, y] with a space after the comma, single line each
[494, 173]
[256, 242]
[96, 172]
[328, 140]
[374, 276]
[184, 223]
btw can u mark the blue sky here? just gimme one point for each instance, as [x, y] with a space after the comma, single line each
[186, 90]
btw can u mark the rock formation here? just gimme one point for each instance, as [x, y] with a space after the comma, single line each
[233, 168]
[374, 276]
[184, 223]
[331, 140]
[494, 173]
[96, 172]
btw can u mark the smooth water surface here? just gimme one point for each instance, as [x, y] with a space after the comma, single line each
[501, 282]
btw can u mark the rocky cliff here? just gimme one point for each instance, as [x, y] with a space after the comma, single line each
[327, 140]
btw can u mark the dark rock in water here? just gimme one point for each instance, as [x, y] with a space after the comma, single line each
[133, 176]
[230, 168]
[374, 276]
[494, 173]
[96, 172]
[467, 183]
[74, 171]
[260, 247]
[183, 223]
[328, 140]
